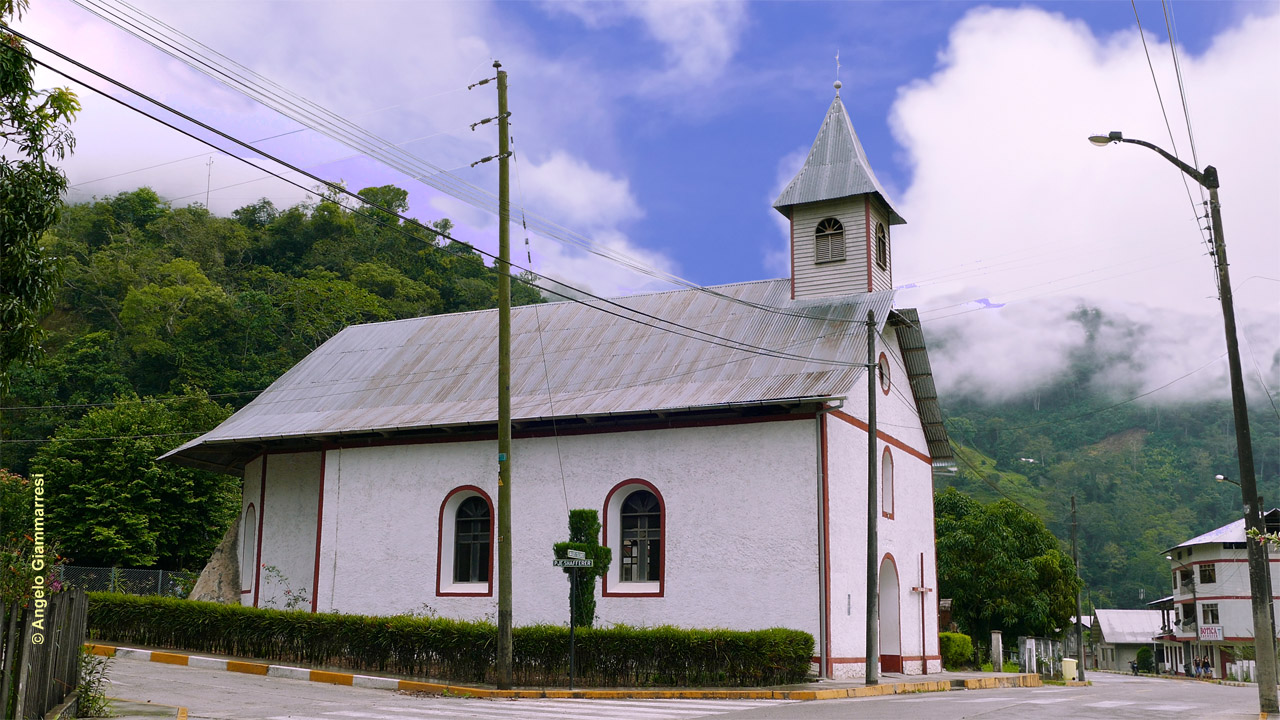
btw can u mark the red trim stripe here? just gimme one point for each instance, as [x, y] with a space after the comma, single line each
[883, 437]
[315, 583]
[826, 545]
[866, 228]
[262, 508]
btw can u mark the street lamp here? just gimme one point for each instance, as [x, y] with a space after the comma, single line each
[1260, 589]
[1225, 479]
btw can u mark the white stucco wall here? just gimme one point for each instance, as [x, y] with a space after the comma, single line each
[288, 514]
[740, 533]
[740, 530]
[908, 537]
[250, 498]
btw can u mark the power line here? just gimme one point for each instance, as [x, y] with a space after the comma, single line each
[269, 93]
[1142, 35]
[1169, 26]
[710, 337]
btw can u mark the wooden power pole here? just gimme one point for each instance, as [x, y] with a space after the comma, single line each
[873, 513]
[505, 678]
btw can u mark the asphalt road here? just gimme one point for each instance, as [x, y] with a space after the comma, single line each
[233, 696]
[1111, 697]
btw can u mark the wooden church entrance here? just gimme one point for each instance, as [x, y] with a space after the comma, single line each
[890, 619]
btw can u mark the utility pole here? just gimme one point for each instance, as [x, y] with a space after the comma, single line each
[1260, 591]
[208, 182]
[1259, 578]
[873, 513]
[503, 266]
[1075, 560]
[505, 678]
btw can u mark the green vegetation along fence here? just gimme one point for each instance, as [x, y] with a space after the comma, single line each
[40, 653]
[456, 650]
[134, 581]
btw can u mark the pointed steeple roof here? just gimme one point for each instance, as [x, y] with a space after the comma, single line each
[837, 167]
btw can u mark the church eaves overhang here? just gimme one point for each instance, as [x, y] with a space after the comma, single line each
[836, 167]
[571, 360]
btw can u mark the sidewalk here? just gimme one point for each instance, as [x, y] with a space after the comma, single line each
[130, 710]
[890, 684]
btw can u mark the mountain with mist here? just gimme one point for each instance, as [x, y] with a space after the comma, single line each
[1140, 462]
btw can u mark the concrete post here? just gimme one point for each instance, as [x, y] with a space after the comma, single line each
[997, 651]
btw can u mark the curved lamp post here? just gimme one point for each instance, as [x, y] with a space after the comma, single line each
[1260, 588]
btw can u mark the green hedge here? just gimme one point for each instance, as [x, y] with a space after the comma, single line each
[956, 650]
[456, 650]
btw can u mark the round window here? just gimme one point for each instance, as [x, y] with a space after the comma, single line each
[884, 373]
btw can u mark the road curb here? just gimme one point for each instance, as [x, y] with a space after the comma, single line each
[385, 683]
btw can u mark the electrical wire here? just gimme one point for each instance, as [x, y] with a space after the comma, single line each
[269, 93]
[1142, 35]
[710, 338]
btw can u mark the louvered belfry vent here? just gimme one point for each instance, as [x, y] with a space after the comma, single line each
[828, 239]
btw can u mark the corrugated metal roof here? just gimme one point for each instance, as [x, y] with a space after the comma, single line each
[568, 360]
[1131, 627]
[836, 167]
[1232, 531]
[906, 323]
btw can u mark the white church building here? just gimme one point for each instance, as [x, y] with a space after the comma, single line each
[721, 432]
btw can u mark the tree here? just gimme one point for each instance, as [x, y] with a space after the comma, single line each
[1001, 567]
[34, 128]
[113, 503]
[584, 535]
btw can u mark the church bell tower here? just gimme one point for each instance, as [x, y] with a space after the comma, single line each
[840, 216]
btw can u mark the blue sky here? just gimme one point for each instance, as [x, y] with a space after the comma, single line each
[664, 130]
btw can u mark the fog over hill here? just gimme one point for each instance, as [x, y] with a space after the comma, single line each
[1168, 356]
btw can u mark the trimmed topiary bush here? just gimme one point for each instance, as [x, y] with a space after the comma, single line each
[456, 650]
[956, 650]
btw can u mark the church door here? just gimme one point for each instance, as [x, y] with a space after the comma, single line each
[890, 618]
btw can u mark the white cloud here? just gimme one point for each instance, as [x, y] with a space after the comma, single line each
[778, 259]
[698, 38]
[1008, 201]
[398, 69]
[573, 193]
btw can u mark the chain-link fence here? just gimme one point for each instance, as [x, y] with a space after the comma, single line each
[132, 581]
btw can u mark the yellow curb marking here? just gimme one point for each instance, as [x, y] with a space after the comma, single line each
[248, 668]
[169, 658]
[333, 678]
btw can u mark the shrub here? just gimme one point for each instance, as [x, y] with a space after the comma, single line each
[956, 650]
[456, 650]
[1146, 660]
[92, 702]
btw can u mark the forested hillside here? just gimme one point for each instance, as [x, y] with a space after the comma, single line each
[170, 318]
[1143, 474]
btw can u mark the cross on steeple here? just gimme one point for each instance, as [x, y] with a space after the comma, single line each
[837, 85]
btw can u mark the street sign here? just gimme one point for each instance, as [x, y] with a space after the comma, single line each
[576, 554]
[572, 562]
